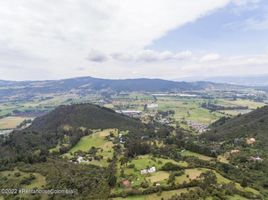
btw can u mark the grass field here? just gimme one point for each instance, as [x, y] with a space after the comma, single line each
[158, 177]
[242, 102]
[15, 180]
[200, 156]
[38, 182]
[236, 197]
[11, 122]
[164, 195]
[223, 159]
[189, 174]
[188, 109]
[222, 179]
[141, 162]
[98, 140]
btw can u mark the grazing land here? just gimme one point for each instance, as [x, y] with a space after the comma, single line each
[119, 144]
[11, 122]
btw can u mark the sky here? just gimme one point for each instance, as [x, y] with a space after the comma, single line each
[168, 39]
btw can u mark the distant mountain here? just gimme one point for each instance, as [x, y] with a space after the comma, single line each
[253, 124]
[261, 80]
[88, 84]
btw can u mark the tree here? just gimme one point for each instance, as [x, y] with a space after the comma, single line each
[112, 180]
[244, 182]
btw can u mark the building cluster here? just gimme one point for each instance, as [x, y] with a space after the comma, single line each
[256, 159]
[152, 106]
[148, 171]
[130, 113]
[200, 128]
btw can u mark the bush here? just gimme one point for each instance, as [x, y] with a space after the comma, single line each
[131, 166]
[170, 167]
[17, 174]
[144, 185]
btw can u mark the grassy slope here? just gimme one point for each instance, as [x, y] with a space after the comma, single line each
[200, 156]
[165, 195]
[97, 139]
[189, 109]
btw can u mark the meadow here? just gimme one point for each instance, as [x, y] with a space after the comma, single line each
[11, 122]
[98, 140]
[158, 196]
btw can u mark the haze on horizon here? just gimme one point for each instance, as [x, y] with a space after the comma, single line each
[168, 39]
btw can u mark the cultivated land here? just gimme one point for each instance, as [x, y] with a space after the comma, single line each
[11, 122]
[175, 139]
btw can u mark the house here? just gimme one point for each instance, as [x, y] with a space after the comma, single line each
[130, 113]
[80, 159]
[251, 141]
[152, 106]
[235, 151]
[148, 171]
[152, 170]
[256, 159]
[144, 171]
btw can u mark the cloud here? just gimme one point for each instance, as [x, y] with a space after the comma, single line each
[246, 2]
[232, 65]
[210, 57]
[62, 33]
[49, 39]
[152, 56]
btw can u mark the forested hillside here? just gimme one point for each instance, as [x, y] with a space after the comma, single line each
[253, 124]
[73, 121]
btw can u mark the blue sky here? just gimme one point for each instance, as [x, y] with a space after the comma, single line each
[223, 31]
[169, 39]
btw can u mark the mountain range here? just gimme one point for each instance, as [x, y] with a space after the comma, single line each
[90, 84]
[257, 80]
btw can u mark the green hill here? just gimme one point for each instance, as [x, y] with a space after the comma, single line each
[72, 121]
[83, 115]
[253, 124]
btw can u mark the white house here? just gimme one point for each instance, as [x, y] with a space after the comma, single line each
[258, 159]
[151, 170]
[144, 171]
[152, 106]
[80, 159]
[148, 171]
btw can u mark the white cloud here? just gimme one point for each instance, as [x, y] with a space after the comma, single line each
[233, 65]
[59, 35]
[107, 38]
[151, 56]
[246, 2]
[210, 57]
